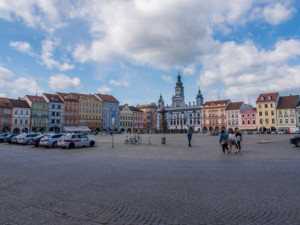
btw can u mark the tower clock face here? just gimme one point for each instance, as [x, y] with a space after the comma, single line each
[177, 89]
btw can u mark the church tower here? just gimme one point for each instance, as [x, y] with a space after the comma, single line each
[178, 99]
[199, 98]
[160, 102]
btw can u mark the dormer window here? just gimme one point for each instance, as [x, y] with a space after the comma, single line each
[262, 98]
[269, 98]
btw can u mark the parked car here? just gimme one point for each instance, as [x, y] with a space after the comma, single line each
[75, 140]
[3, 137]
[36, 140]
[10, 137]
[282, 132]
[273, 132]
[267, 132]
[255, 132]
[14, 140]
[50, 140]
[26, 138]
[295, 140]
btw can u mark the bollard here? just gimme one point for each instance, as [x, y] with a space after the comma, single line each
[163, 140]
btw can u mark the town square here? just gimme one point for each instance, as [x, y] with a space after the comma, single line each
[152, 183]
[155, 112]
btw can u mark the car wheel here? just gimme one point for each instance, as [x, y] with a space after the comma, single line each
[92, 143]
[298, 143]
[54, 145]
[71, 145]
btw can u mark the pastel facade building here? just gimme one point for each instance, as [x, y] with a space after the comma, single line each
[5, 115]
[110, 113]
[266, 105]
[286, 112]
[39, 113]
[21, 116]
[138, 119]
[248, 119]
[71, 109]
[179, 115]
[298, 114]
[126, 119]
[90, 111]
[150, 116]
[55, 112]
[233, 114]
[214, 115]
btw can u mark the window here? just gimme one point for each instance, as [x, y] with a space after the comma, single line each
[280, 112]
[248, 115]
[280, 121]
[27, 112]
[260, 113]
[40, 106]
[267, 121]
[272, 105]
[269, 98]
[248, 122]
[266, 113]
[292, 121]
[266, 106]
[16, 121]
[26, 121]
[253, 122]
[16, 112]
[259, 106]
[262, 98]
[273, 121]
[243, 115]
[272, 113]
[34, 106]
[22, 112]
[243, 122]
[286, 120]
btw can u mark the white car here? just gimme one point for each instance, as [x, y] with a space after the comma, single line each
[14, 140]
[50, 140]
[26, 138]
[75, 140]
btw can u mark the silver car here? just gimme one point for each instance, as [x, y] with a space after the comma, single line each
[75, 140]
[26, 138]
[50, 140]
[14, 140]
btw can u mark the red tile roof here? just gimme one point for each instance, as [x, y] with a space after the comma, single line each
[287, 102]
[19, 103]
[107, 98]
[4, 102]
[210, 103]
[134, 109]
[51, 97]
[234, 106]
[36, 99]
[267, 97]
[63, 97]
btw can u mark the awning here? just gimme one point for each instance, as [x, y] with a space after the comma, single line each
[77, 129]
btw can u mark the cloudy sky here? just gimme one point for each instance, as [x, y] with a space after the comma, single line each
[133, 49]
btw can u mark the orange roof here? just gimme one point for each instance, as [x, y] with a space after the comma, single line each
[4, 102]
[63, 97]
[107, 98]
[37, 99]
[234, 106]
[210, 103]
[19, 103]
[267, 97]
[287, 102]
[51, 97]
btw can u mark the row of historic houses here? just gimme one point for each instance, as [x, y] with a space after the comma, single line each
[272, 113]
[58, 112]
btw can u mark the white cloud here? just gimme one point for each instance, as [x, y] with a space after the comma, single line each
[243, 70]
[274, 13]
[18, 84]
[190, 70]
[61, 82]
[119, 83]
[37, 14]
[22, 47]
[168, 79]
[104, 90]
[48, 47]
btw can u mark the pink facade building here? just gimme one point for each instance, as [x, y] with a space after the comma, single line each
[138, 118]
[248, 119]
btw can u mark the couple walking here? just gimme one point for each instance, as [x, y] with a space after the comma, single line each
[234, 139]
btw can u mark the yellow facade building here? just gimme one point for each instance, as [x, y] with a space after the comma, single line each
[266, 105]
[21, 115]
[90, 111]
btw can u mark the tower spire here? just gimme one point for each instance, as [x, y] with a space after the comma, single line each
[179, 83]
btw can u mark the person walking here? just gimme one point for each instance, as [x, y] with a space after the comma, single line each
[232, 141]
[224, 141]
[189, 136]
[239, 138]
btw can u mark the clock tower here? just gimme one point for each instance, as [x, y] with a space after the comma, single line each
[178, 99]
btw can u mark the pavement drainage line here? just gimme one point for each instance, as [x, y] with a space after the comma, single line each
[50, 210]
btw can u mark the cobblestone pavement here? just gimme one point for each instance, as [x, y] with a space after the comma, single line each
[152, 184]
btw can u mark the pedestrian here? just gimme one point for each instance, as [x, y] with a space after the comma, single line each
[189, 135]
[224, 141]
[239, 138]
[232, 141]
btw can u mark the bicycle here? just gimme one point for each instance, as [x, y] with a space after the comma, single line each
[130, 140]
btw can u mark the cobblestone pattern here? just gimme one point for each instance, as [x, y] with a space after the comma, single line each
[151, 184]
